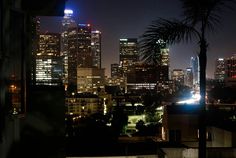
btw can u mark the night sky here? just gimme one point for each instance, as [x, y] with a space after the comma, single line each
[129, 18]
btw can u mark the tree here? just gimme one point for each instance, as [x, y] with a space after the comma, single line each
[119, 120]
[199, 17]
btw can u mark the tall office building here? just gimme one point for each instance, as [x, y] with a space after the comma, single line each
[128, 53]
[163, 60]
[72, 55]
[194, 64]
[220, 69]
[84, 58]
[164, 53]
[79, 50]
[96, 48]
[230, 66]
[189, 77]
[67, 23]
[48, 60]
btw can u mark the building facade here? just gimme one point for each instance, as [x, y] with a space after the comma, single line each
[189, 77]
[49, 67]
[128, 53]
[177, 76]
[194, 64]
[67, 22]
[146, 76]
[220, 69]
[96, 48]
[230, 65]
[116, 70]
[90, 80]
[84, 58]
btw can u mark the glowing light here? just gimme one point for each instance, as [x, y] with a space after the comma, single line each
[96, 31]
[68, 11]
[84, 25]
[195, 99]
[123, 39]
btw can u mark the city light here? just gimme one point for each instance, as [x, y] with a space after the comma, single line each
[195, 99]
[68, 11]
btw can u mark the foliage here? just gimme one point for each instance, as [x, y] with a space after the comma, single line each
[119, 120]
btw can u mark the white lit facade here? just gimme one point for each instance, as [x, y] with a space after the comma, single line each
[194, 63]
[49, 68]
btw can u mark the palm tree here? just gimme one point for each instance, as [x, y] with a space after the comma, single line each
[199, 18]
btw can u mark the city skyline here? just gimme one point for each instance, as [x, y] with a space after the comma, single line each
[130, 19]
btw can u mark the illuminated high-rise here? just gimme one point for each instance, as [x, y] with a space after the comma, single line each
[96, 48]
[162, 60]
[128, 53]
[48, 60]
[230, 66]
[79, 50]
[189, 77]
[67, 23]
[220, 69]
[84, 58]
[194, 63]
[164, 54]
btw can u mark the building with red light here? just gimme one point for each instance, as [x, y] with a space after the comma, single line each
[230, 66]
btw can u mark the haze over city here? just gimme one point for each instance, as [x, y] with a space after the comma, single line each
[129, 19]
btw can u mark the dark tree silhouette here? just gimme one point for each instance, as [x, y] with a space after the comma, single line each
[199, 17]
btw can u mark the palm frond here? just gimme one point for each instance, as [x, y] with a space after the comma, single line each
[170, 31]
[206, 12]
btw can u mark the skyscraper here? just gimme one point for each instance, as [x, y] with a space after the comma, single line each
[230, 65]
[67, 22]
[84, 58]
[194, 64]
[79, 50]
[220, 69]
[72, 55]
[128, 53]
[164, 53]
[189, 77]
[48, 60]
[96, 48]
[163, 60]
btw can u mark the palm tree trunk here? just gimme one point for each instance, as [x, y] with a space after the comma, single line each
[202, 114]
